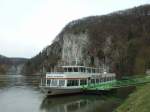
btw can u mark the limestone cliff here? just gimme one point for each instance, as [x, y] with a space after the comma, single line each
[74, 47]
[120, 40]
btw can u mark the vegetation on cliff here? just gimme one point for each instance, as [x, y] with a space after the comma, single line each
[120, 39]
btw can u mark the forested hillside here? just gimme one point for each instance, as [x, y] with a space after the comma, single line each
[7, 63]
[120, 40]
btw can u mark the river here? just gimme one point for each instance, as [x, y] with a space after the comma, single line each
[21, 94]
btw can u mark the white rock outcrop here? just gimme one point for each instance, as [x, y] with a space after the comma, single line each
[74, 46]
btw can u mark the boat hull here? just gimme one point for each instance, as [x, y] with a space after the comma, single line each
[60, 91]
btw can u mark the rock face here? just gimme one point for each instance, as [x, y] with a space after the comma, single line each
[74, 47]
[119, 40]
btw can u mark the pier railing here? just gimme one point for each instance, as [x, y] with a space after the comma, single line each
[118, 83]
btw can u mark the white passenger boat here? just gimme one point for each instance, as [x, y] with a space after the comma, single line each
[70, 79]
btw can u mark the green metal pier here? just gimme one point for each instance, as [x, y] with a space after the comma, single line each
[125, 82]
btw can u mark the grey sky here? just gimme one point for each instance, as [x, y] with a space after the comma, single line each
[27, 26]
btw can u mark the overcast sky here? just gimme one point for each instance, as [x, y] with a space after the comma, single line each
[27, 26]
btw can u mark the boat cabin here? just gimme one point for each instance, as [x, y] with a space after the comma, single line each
[77, 76]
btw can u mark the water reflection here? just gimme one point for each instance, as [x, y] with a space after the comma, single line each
[79, 103]
[64, 104]
[19, 80]
[21, 93]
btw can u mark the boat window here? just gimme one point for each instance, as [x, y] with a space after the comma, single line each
[72, 82]
[101, 79]
[61, 82]
[89, 70]
[83, 82]
[92, 81]
[93, 70]
[54, 82]
[65, 69]
[75, 69]
[97, 80]
[48, 82]
[83, 69]
[69, 69]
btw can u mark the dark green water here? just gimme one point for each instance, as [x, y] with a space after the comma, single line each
[21, 94]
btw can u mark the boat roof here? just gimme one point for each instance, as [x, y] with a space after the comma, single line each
[77, 66]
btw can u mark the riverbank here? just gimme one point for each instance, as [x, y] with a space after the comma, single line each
[138, 101]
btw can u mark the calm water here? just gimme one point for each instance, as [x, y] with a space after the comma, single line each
[21, 94]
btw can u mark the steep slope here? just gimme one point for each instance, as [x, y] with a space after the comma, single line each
[11, 65]
[120, 40]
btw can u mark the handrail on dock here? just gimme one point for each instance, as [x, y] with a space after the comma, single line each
[117, 83]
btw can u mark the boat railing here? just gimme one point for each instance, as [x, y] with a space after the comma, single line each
[55, 72]
[43, 81]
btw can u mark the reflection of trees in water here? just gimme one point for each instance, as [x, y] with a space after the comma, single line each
[32, 80]
[19, 80]
[2, 84]
[75, 103]
[3, 80]
[79, 103]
